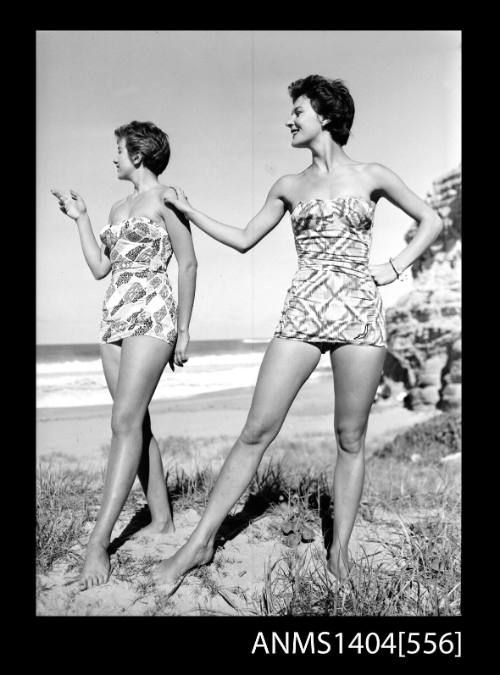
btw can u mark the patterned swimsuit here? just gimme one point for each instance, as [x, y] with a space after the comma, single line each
[139, 299]
[333, 299]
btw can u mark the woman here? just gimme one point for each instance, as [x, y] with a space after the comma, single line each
[141, 329]
[333, 304]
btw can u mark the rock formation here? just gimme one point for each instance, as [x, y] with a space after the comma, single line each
[424, 327]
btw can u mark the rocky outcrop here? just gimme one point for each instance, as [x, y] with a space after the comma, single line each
[424, 327]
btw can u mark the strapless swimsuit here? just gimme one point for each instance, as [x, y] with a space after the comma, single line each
[139, 299]
[333, 299]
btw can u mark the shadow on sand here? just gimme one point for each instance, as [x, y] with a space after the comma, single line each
[268, 492]
[140, 519]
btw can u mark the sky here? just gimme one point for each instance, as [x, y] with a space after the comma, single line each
[222, 97]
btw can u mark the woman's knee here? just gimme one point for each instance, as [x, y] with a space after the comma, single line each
[350, 440]
[126, 421]
[258, 433]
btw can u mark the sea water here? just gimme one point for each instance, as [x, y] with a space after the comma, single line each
[71, 374]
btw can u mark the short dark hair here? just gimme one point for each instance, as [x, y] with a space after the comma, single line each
[150, 141]
[329, 98]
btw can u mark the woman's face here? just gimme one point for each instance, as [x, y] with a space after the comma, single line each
[304, 123]
[122, 162]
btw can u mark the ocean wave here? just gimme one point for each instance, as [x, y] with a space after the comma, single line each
[206, 361]
[67, 392]
[68, 367]
[63, 390]
[255, 341]
[82, 383]
[71, 397]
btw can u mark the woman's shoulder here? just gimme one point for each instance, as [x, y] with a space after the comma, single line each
[286, 184]
[158, 194]
[377, 176]
[167, 190]
[283, 189]
[116, 206]
[375, 169]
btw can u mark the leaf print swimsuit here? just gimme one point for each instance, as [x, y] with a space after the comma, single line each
[139, 299]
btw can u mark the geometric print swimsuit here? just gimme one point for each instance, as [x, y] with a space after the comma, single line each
[333, 299]
[139, 299]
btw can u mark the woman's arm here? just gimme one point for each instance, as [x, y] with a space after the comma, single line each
[182, 245]
[73, 206]
[240, 239]
[387, 184]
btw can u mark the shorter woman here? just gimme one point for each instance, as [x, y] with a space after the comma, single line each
[142, 329]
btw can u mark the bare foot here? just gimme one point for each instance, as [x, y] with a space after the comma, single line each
[155, 528]
[338, 564]
[95, 569]
[188, 556]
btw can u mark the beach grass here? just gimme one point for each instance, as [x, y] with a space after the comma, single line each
[66, 502]
[416, 571]
[409, 560]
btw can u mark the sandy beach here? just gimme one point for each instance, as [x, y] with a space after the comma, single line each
[195, 434]
[82, 434]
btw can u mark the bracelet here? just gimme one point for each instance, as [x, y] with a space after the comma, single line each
[392, 265]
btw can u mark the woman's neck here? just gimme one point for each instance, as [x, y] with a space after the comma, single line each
[143, 182]
[327, 156]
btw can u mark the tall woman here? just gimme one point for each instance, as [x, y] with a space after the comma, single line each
[142, 329]
[333, 304]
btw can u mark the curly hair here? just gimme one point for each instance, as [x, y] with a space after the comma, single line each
[329, 98]
[148, 140]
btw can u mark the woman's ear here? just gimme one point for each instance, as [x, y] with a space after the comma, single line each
[137, 159]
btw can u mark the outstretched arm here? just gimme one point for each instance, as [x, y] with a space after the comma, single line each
[390, 186]
[73, 205]
[240, 239]
[182, 244]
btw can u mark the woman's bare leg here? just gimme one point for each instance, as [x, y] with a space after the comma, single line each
[142, 361]
[152, 479]
[356, 375]
[150, 471]
[286, 366]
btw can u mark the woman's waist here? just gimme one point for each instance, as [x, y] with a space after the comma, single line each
[151, 265]
[336, 264]
[324, 283]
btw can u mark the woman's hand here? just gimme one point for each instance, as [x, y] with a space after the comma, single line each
[70, 203]
[181, 347]
[382, 274]
[180, 203]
